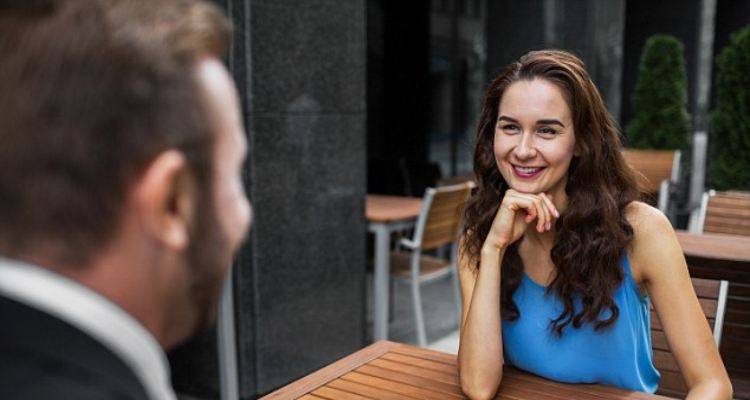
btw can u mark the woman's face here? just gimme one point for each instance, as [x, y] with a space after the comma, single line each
[534, 137]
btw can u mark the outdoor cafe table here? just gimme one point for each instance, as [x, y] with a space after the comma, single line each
[385, 215]
[388, 370]
[717, 256]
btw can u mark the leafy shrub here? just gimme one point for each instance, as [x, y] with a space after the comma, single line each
[661, 120]
[729, 142]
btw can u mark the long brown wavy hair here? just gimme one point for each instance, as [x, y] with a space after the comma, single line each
[592, 233]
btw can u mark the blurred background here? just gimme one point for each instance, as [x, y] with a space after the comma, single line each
[344, 98]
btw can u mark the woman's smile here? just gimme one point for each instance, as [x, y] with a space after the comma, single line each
[527, 172]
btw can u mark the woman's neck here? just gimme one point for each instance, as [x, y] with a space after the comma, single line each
[536, 241]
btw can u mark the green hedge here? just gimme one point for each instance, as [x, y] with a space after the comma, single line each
[660, 120]
[729, 143]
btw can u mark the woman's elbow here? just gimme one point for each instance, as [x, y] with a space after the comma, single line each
[723, 387]
[726, 389]
[717, 388]
[480, 389]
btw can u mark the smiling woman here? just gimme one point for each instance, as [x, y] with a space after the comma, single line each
[533, 162]
[559, 261]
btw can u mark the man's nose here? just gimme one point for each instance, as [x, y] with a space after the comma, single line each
[525, 149]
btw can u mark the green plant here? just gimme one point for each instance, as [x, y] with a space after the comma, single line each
[729, 143]
[660, 120]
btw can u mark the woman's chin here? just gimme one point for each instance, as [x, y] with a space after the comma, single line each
[527, 189]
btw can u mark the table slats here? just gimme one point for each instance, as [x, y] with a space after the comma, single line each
[393, 371]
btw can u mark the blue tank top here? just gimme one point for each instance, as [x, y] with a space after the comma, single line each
[619, 355]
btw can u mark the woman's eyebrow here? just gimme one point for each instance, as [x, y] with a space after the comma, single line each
[549, 122]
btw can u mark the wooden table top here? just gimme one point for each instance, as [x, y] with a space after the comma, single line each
[717, 256]
[388, 370]
[382, 208]
[716, 246]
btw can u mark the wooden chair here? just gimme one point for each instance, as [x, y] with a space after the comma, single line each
[723, 212]
[438, 225]
[659, 172]
[712, 295]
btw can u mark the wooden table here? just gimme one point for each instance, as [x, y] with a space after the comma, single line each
[387, 370]
[386, 214]
[717, 256]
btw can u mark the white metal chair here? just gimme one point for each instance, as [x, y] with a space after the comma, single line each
[659, 172]
[438, 225]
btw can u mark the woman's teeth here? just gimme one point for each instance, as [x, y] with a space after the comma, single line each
[527, 170]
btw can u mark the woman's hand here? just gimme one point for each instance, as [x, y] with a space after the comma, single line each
[516, 212]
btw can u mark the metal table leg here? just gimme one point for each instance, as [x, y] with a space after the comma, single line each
[382, 269]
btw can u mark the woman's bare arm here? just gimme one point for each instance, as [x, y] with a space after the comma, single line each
[480, 353]
[659, 260]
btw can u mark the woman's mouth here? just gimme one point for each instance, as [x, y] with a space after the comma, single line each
[527, 172]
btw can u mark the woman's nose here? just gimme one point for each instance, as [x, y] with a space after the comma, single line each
[525, 148]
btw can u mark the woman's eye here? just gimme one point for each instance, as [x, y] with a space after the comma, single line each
[509, 128]
[547, 131]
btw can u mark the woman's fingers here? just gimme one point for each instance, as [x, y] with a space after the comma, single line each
[536, 207]
[519, 202]
[552, 209]
[548, 200]
[544, 213]
[539, 213]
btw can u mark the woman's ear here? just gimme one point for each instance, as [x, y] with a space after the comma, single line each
[165, 199]
[577, 151]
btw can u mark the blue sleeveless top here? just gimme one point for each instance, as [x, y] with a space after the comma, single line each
[619, 355]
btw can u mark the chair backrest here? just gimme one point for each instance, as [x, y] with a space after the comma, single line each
[439, 223]
[712, 295]
[723, 212]
[654, 166]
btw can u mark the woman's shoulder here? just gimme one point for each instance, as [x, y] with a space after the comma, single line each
[646, 219]
[653, 235]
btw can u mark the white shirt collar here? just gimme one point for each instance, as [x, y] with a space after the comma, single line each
[93, 314]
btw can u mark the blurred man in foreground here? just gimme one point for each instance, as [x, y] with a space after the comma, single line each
[121, 200]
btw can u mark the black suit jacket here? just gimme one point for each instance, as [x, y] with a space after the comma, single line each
[43, 357]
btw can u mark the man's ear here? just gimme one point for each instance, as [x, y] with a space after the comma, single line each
[165, 199]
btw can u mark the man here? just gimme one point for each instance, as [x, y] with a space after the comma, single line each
[121, 200]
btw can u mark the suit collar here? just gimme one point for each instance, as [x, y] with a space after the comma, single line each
[92, 314]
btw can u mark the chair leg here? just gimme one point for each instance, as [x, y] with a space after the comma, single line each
[418, 316]
[392, 301]
[416, 296]
[456, 283]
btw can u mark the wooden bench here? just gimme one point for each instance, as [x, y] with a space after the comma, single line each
[723, 212]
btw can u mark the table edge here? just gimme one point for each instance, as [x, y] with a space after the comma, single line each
[332, 371]
[710, 256]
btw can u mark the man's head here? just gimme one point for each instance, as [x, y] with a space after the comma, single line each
[121, 152]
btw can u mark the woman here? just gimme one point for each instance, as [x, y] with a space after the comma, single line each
[558, 258]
